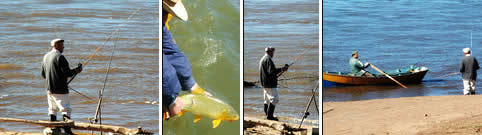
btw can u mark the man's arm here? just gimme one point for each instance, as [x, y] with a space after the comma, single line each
[177, 60]
[476, 64]
[170, 82]
[462, 66]
[358, 64]
[272, 68]
[366, 65]
[170, 89]
[43, 71]
[64, 66]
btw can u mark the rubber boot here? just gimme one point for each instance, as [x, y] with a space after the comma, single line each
[67, 130]
[266, 109]
[53, 117]
[270, 112]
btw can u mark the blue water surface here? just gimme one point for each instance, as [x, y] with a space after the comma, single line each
[393, 34]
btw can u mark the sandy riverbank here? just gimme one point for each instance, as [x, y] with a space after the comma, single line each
[5, 132]
[34, 133]
[437, 115]
[255, 124]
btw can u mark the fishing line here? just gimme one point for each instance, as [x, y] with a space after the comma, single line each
[471, 53]
[292, 62]
[85, 96]
[284, 82]
[297, 58]
[97, 50]
[299, 77]
[98, 110]
[105, 41]
[101, 92]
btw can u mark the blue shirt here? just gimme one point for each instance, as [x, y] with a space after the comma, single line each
[176, 69]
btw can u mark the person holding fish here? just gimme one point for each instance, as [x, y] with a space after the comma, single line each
[55, 70]
[268, 74]
[176, 69]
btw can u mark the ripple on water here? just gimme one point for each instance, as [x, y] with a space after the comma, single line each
[10, 67]
[212, 52]
[27, 29]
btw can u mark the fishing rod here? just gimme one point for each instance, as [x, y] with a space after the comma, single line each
[313, 98]
[296, 59]
[471, 52]
[105, 42]
[82, 94]
[98, 114]
[288, 65]
[98, 49]
[101, 91]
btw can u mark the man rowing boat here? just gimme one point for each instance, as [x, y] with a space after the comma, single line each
[357, 67]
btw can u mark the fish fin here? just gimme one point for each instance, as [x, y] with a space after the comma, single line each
[196, 89]
[181, 113]
[198, 117]
[216, 123]
[164, 115]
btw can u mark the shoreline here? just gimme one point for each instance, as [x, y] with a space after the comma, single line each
[257, 124]
[406, 115]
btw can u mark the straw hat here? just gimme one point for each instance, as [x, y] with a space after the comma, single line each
[176, 8]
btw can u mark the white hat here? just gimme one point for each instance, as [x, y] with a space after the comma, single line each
[176, 8]
[269, 48]
[52, 43]
[466, 50]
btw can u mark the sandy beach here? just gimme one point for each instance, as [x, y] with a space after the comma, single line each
[437, 115]
[256, 124]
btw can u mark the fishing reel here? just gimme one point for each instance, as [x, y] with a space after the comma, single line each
[286, 67]
[306, 115]
[92, 120]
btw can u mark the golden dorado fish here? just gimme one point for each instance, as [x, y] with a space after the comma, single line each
[208, 106]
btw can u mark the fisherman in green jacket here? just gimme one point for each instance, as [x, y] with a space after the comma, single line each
[357, 67]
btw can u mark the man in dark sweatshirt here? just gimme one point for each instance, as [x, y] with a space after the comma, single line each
[55, 70]
[468, 68]
[268, 74]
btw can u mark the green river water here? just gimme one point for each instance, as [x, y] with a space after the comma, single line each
[210, 39]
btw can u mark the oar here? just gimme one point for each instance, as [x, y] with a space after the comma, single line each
[387, 75]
